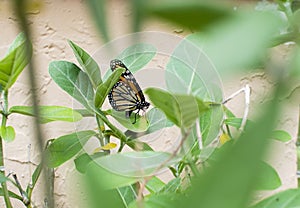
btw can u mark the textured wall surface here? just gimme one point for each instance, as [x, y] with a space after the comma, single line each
[53, 23]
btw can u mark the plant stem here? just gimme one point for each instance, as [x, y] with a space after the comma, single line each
[119, 134]
[2, 169]
[101, 128]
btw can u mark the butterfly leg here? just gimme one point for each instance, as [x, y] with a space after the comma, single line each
[137, 113]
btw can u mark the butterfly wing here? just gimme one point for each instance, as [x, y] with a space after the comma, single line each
[126, 94]
[122, 98]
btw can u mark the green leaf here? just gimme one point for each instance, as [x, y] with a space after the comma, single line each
[235, 122]
[136, 164]
[34, 178]
[229, 182]
[182, 110]
[190, 148]
[141, 123]
[190, 71]
[49, 113]
[105, 178]
[210, 122]
[7, 133]
[88, 64]
[294, 23]
[156, 120]
[285, 199]
[295, 5]
[138, 145]
[228, 113]
[281, 135]
[11, 194]
[157, 201]
[135, 57]
[82, 161]
[269, 179]
[65, 147]
[104, 88]
[172, 186]
[123, 169]
[73, 81]
[154, 185]
[166, 102]
[195, 15]
[127, 194]
[14, 62]
[97, 194]
[36, 174]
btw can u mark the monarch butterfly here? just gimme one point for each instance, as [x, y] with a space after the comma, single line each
[126, 95]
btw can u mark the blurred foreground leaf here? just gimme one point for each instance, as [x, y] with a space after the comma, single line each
[239, 43]
[123, 169]
[195, 15]
[285, 199]
[97, 8]
[268, 179]
[82, 161]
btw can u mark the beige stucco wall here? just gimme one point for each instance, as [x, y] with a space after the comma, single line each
[55, 22]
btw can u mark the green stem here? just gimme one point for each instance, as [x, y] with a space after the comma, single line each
[100, 130]
[121, 147]
[228, 131]
[119, 134]
[3, 124]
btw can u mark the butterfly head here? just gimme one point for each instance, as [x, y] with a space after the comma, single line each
[116, 63]
[145, 105]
